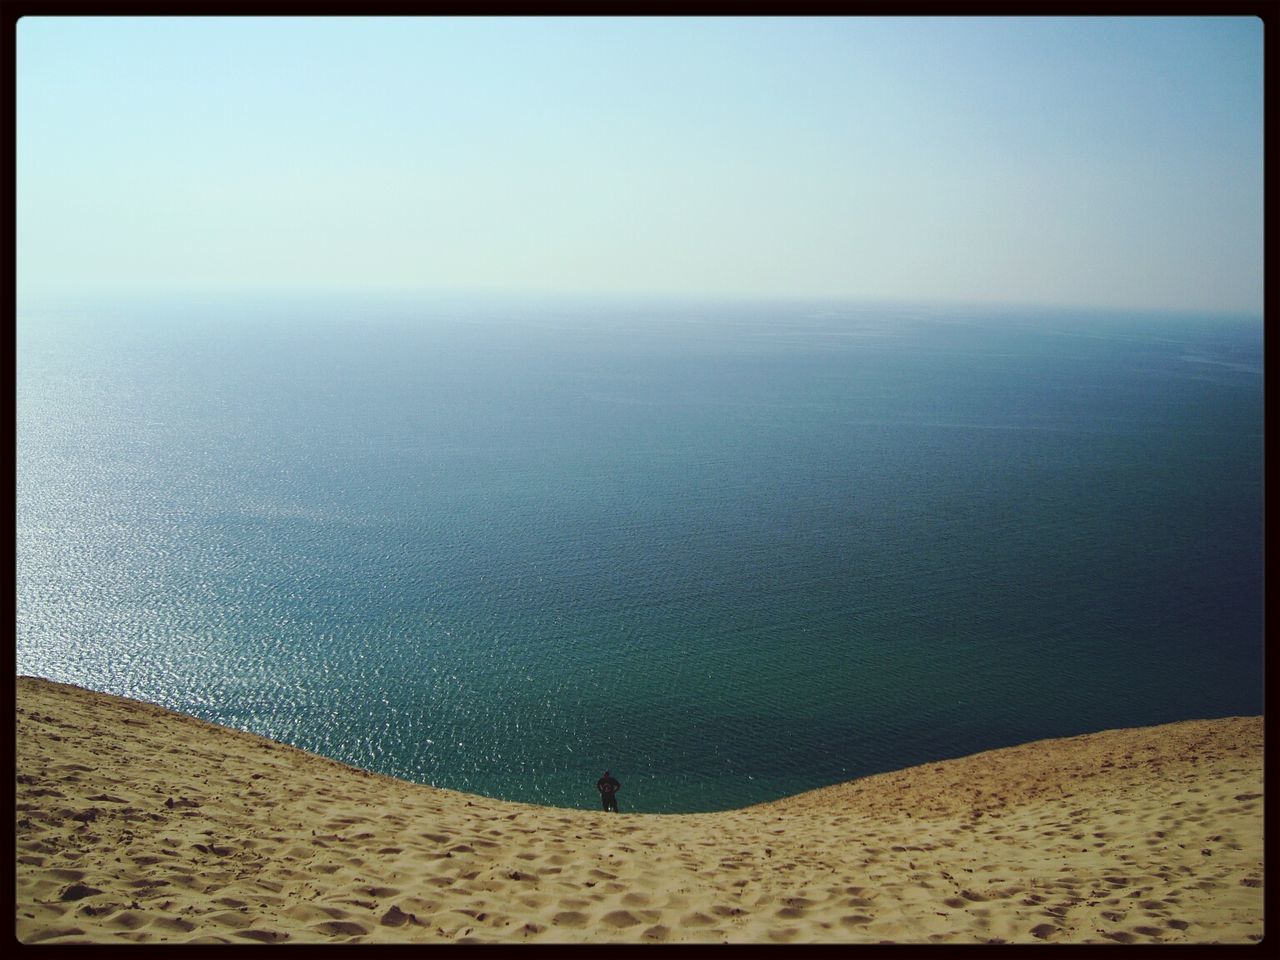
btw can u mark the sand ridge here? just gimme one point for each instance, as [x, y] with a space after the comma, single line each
[138, 824]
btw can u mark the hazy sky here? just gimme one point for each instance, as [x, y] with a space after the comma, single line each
[1110, 162]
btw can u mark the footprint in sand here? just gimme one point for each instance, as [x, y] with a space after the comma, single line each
[309, 911]
[395, 917]
[340, 928]
[697, 920]
[620, 919]
[78, 891]
[263, 936]
[129, 920]
[232, 919]
[53, 933]
[174, 923]
[722, 910]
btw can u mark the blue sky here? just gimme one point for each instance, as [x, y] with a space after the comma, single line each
[1112, 162]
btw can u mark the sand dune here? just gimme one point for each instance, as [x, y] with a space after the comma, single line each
[137, 824]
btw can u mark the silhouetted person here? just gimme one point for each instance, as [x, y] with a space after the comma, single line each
[609, 788]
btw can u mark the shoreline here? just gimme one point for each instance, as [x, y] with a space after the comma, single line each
[137, 824]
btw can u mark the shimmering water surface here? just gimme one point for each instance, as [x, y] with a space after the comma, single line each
[730, 552]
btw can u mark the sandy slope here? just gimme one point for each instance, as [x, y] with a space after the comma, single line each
[134, 823]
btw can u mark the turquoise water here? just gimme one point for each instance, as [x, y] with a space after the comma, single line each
[730, 552]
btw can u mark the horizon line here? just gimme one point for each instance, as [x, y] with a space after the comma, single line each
[29, 302]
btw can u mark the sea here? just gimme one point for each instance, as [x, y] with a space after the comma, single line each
[728, 550]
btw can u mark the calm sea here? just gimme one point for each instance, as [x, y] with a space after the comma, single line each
[730, 552]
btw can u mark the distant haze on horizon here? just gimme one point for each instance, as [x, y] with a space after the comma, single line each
[1111, 162]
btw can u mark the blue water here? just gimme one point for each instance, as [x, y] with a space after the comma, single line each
[730, 552]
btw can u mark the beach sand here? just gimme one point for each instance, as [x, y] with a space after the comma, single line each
[138, 824]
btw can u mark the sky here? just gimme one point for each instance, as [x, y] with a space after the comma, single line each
[1108, 162]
